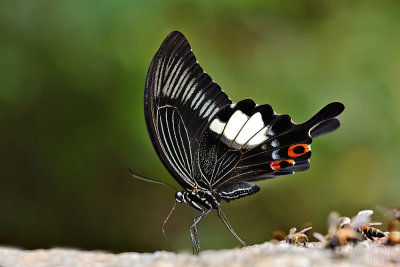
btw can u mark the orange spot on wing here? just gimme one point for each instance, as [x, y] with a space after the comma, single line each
[293, 154]
[276, 165]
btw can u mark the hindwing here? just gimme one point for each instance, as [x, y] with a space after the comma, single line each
[247, 142]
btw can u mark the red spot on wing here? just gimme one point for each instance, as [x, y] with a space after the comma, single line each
[276, 165]
[293, 154]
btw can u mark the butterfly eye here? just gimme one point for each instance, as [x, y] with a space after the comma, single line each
[298, 150]
[279, 164]
[179, 196]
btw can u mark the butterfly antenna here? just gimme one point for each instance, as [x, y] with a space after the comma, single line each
[165, 221]
[139, 177]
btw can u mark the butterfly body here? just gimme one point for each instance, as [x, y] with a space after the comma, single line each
[215, 148]
[199, 199]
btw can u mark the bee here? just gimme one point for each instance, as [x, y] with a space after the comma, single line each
[343, 230]
[342, 237]
[367, 230]
[361, 219]
[394, 236]
[394, 224]
[279, 235]
[297, 238]
[333, 224]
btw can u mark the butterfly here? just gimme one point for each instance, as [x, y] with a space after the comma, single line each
[215, 148]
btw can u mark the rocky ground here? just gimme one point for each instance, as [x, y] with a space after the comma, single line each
[267, 254]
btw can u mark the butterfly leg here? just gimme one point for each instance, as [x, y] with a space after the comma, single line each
[193, 231]
[226, 222]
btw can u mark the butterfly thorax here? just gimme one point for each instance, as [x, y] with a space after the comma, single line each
[199, 199]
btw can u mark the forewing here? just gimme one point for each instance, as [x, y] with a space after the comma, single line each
[180, 98]
[246, 142]
[305, 230]
[333, 222]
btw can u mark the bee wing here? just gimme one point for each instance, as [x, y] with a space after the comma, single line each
[365, 213]
[279, 235]
[361, 219]
[333, 222]
[342, 221]
[374, 223]
[292, 230]
[320, 237]
[305, 230]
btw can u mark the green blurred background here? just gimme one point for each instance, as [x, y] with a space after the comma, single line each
[72, 77]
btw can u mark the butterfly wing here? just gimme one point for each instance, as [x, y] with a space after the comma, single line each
[180, 98]
[246, 142]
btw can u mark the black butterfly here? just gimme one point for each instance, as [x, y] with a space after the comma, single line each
[212, 147]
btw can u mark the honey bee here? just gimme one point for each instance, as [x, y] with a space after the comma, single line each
[339, 239]
[343, 230]
[394, 236]
[299, 238]
[342, 237]
[394, 224]
[279, 235]
[362, 218]
[333, 224]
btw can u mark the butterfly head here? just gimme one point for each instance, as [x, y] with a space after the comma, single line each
[179, 196]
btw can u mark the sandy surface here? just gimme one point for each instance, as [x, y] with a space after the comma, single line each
[267, 254]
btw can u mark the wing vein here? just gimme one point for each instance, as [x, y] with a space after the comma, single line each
[176, 166]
